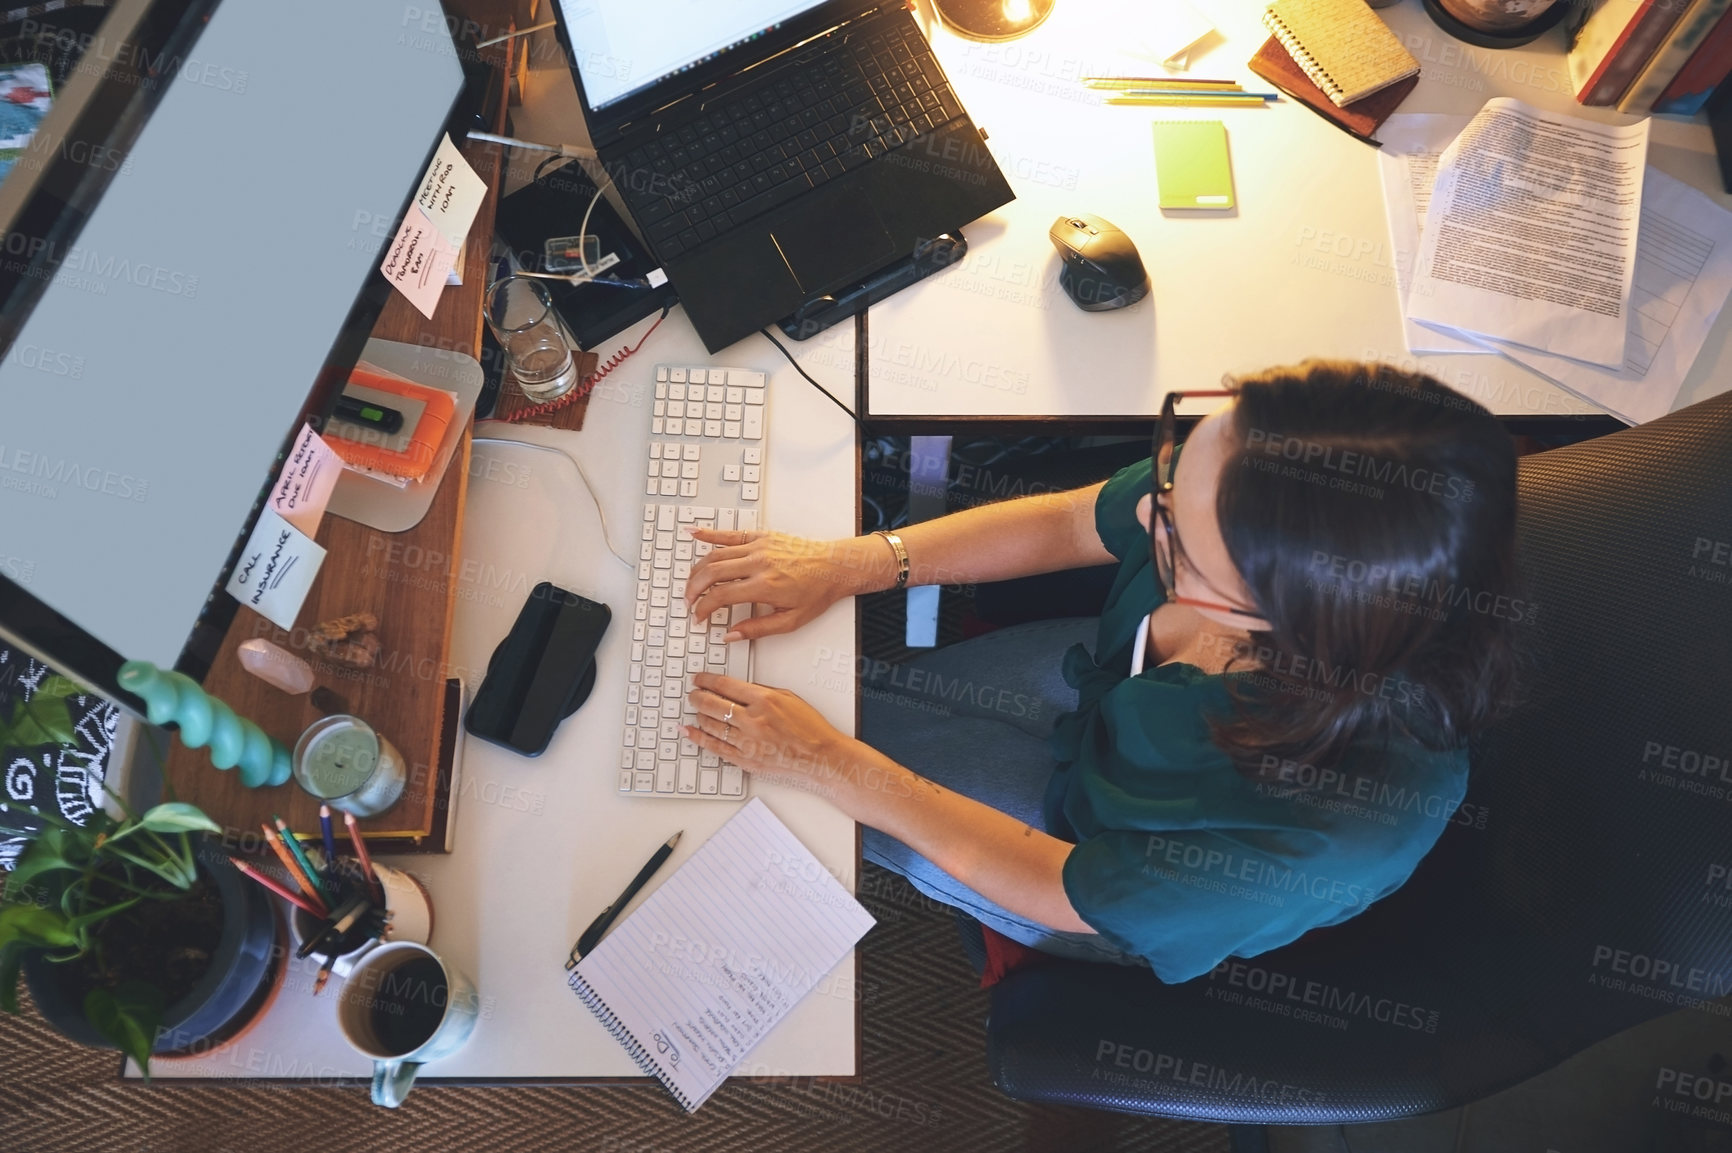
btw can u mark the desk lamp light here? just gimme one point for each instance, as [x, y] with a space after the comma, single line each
[993, 19]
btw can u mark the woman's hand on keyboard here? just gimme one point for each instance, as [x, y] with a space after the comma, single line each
[797, 578]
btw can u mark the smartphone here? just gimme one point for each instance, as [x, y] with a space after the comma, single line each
[541, 672]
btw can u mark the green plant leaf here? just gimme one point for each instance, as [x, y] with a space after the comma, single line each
[178, 817]
[45, 854]
[29, 925]
[81, 923]
[11, 968]
[41, 721]
[129, 1016]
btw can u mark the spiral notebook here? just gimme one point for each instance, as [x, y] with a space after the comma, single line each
[713, 959]
[1342, 45]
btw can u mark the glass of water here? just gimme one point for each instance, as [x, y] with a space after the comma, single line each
[538, 350]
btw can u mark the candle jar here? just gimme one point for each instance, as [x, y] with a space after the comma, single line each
[343, 762]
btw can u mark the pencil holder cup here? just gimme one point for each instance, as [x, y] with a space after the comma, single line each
[408, 915]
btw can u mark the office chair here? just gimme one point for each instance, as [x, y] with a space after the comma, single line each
[1581, 907]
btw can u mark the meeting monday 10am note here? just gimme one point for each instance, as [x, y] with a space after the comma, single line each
[1530, 236]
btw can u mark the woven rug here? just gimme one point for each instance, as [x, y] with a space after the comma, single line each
[923, 1087]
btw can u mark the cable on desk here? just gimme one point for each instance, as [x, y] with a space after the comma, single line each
[772, 339]
[606, 536]
[587, 385]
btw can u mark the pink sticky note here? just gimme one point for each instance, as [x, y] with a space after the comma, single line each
[304, 486]
[419, 260]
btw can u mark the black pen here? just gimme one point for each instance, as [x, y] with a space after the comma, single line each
[592, 935]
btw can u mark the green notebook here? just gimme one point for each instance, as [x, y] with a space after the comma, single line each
[1191, 164]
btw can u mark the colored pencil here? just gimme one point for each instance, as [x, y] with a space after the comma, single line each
[329, 839]
[1158, 82]
[294, 868]
[280, 890]
[1188, 101]
[324, 974]
[1166, 93]
[373, 882]
[339, 923]
[300, 852]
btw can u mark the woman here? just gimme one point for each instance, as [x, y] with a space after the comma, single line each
[1311, 616]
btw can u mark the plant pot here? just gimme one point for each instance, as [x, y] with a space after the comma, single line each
[246, 957]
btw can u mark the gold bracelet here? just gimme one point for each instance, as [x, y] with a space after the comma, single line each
[901, 551]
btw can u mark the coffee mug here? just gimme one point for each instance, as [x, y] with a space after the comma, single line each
[411, 915]
[403, 1007]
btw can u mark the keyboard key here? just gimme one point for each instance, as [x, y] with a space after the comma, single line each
[690, 451]
[731, 429]
[665, 775]
[644, 782]
[725, 519]
[733, 781]
[748, 523]
[753, 426]
[752, 473]
[688, 780]
[747, 492]
[665, 518]
[752, 455]
[708, 782]
[755, 395]
[731, 473]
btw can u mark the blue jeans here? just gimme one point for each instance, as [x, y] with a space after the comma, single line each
[974, 717]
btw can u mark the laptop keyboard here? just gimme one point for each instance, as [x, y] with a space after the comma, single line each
[826, 112]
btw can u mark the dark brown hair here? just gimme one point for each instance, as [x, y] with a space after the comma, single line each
[1371, 512]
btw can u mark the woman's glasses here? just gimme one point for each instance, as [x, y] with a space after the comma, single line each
[1164, 541]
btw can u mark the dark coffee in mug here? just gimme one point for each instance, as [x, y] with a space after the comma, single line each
[408, 1004]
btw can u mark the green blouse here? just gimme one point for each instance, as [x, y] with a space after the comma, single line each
[1179, 858]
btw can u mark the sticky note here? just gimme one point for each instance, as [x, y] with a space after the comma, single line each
[303, 488]
[420, 259]
[1191, 165]
[276, 569]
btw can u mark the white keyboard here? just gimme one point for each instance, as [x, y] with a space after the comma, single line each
[705, 470]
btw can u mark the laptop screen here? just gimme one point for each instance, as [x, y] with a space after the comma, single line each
[624, 46]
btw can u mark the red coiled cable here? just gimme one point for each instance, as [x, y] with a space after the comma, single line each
[585, 386]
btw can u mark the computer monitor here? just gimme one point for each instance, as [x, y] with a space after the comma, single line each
[187, 271]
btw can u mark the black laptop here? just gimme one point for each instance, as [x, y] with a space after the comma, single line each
[774, 152]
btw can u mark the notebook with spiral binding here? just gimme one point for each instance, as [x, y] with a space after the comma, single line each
[713, 959]
[1342, 45]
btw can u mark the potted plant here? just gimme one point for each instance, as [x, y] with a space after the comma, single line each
[133, 931]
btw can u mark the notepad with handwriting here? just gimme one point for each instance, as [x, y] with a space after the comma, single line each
[1342, 45]
[714, 958]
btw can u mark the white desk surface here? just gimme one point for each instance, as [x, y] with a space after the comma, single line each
[1301, 268]
[543, 845]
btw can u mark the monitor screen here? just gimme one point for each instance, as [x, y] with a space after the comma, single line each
[177, 297]
[624, 46]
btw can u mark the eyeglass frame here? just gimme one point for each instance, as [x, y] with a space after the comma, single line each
[1166, 440]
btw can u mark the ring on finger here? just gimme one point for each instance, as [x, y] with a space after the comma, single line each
[728, 719]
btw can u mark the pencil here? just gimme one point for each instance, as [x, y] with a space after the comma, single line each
[324, 973]
[294, 845]
[280, 890]
[1222, 101]
[1167, 93]
[373, 883]
[1157, 82]
[325, 832]
[294, 868]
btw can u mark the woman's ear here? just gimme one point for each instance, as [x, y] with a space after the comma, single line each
[1145, 511]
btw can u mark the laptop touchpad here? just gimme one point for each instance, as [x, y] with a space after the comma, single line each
[832, 237]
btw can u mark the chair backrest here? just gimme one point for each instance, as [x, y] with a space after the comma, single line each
[1585, 886]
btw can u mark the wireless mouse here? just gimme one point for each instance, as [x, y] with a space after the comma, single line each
[1102, 270]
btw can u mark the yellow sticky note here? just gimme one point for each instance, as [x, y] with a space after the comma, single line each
[1191, 164]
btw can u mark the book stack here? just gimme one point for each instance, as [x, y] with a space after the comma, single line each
[1651, 55]
[1338, 59]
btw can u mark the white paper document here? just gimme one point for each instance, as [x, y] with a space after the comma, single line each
[1530, 235]
[1683, 273]
[1413, 142]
